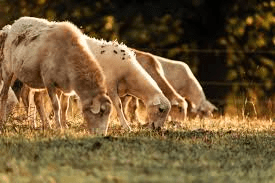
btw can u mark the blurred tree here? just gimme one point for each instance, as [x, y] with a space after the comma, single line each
[250, 35]
[183, 30]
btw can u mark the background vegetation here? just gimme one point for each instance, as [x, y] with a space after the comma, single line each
[228, 44]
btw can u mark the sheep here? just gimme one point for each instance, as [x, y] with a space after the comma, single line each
[54, 56]
[185, 83]
[125, 76]
[154, 68]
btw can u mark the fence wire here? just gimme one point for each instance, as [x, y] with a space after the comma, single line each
[214, 51]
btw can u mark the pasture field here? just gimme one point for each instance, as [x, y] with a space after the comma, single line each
[224, 149]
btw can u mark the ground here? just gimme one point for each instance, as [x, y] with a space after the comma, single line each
[220, 149]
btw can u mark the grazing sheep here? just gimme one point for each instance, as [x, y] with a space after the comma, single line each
[55, 56]
[124, 75]
[154, 68]
[185, 83]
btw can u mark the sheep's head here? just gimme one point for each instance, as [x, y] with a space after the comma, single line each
[179, 109]
[97, 114]
[205, 109]
[157, 111]
[180, 103]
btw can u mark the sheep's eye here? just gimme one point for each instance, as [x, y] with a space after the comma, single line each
[161, 110]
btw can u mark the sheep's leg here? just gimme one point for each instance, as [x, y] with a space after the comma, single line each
[125, 105]
[76, 105]
[17, 88]
[12, 101]
[4, 98]
[39, 101]
[134, 109]
[25, 97]
[130, 107]
[52, 91]
[118, 106]
[28, 100]
[32, 109]
[64, 100]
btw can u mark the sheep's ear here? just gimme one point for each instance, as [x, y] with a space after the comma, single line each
[183, 104]
[174, 102]
[211, 106]
[95, 108]
[156, 101]
[193, 108]
[4, 34]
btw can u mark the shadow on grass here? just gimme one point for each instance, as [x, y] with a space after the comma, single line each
[145, 152]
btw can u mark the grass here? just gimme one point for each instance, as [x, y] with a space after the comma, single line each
[224, 149]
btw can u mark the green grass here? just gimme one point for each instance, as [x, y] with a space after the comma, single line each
[211, 150]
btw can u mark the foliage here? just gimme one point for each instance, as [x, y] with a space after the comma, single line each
[250, 43]
[224, 41]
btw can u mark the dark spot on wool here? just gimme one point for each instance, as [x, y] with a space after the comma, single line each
[34, 38]
[31, 39]
[123, 58]
[115, 51]
[102, 51]
[54, 84]
[19, 39]
[122, 50]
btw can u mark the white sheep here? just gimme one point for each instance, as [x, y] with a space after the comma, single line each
[55, 56]
[125, 76]
[185, 83]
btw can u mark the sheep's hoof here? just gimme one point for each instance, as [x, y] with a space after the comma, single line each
[127, 127]
[46, 127]
[58, 126]
[65, 126]
[147, 125]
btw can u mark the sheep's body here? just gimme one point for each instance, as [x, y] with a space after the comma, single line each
[185, 83]
[54, 56]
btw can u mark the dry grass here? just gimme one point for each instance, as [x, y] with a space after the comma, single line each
[220, 149]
